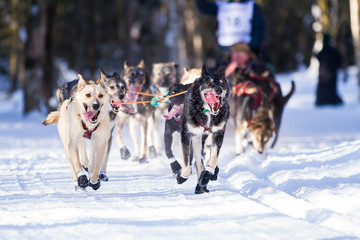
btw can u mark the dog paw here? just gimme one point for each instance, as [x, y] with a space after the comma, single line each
[143, 160]
[152, 152]
[200, 190]
[124, 152]
[180, 179]
[95, 185]
[175, 167]
[204, 178]
[85, 168]
[83, 181]
[103, 177]
[214, 177]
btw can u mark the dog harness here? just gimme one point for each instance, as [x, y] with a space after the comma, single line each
[243, 86]
[267, 79]
[87, 134]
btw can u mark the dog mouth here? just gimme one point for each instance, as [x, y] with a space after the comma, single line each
[214, 102]
[115, 105]
[175, 112]
[91, 116]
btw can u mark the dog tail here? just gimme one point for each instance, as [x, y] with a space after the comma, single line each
[288, 96]
[52, 118]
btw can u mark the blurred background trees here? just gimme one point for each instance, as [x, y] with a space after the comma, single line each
[87, 34]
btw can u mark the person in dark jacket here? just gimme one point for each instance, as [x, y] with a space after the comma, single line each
[238, 21]
[330, 61]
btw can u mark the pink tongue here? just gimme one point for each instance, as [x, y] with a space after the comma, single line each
[89, 115]
[211, 98]
[174, 110]
[133, 88]
[125, 107]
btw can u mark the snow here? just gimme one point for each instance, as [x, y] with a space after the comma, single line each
[307, 187]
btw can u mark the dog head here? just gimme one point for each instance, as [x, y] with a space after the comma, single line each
[164, 75]
[115, 86]
[214, 89]
[136, 79]
[91, 99]
[261, 129]
[190, 75]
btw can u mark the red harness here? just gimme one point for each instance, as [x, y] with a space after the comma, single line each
[243, 86]
[267, 79]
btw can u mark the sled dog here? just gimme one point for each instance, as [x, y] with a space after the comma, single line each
[136, 80]
[206, 111]
[163, 76]
[259, 74]
[250, 111]
[190, 75]
[116, 89]
[174, 119]
[84, 116]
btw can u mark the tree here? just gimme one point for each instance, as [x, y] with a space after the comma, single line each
[355, 23]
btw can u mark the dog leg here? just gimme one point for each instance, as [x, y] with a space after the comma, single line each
[239, 137]
[99, 156]
[143, 130]
[186, 167]
[208, 173]
[80, 174]
[83, 155]
[103, 176]
[124, 152]
[133, 126]
[168, 138]
[150, 135]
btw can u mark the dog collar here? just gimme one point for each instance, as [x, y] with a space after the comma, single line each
[87, 134]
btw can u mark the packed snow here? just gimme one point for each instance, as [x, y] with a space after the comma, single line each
[307, 187]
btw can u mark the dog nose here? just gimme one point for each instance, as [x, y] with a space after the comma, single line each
[96, 106]
[121, 96]
[218, 90]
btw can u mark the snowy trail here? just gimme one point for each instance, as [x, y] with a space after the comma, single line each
[308, 187]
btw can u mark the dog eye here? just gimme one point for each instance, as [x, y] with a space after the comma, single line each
[101, 95]
[173, 92]
[133, 74]
[112, 87]
[122, 88]
[222, 84]
[88, 95]
[209, 84]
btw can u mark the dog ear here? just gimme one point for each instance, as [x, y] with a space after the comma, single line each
[116, 75]
[82, 82]
[125, 65]
[204, 71]
[102, 76]
[141, 64]
[185, 70]
[221, 71]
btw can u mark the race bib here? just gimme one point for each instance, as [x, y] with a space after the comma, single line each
[234, 22]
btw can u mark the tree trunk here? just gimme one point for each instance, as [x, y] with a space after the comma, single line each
[355, 23]
[48, 80]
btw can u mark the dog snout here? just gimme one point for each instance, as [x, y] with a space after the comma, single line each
[218, 90]
[96, 106]
[121, 96]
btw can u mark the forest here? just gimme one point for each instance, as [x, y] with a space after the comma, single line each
[89, 34]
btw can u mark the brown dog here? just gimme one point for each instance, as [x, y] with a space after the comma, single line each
[137, 82]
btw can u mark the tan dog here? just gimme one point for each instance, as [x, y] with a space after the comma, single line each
[85, 116]
[189, 76]
[250, 111]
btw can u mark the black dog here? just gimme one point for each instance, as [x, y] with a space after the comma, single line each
[206, 111]
[173, 122]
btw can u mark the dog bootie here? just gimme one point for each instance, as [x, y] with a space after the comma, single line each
[214, 177]
[95, 185]
[180, 179]
[204, 178]
[200, 190]
[175, 167]
[124, 152]
[152, 152]
[85, 168]
[143, 160]
[103, 177]
[83, 181]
